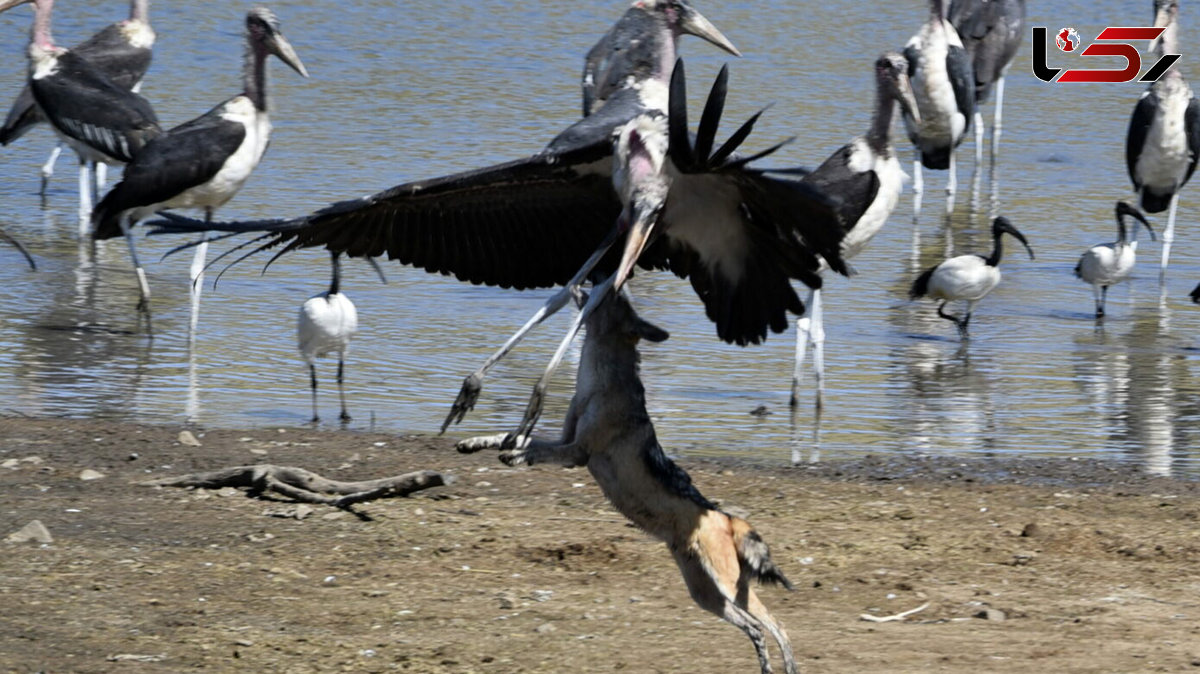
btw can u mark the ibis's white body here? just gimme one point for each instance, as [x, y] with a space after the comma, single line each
[966, 277]
[1107, 264]
[327, 322]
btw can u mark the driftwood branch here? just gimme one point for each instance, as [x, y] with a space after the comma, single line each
[306, 486]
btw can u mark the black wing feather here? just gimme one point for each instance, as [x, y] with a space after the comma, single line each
[855, 189]
[1191, 121]
[85, 105]
[182, 158]
[962, 81]
[1139, 127]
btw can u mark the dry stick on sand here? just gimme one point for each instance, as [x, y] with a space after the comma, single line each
[307, 486]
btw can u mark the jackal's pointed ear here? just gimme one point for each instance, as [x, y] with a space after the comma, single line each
[649, 331]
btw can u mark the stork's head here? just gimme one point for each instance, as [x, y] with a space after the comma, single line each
[685, 20]
[263, 29]
[891, 72]
[1165, 12]
[642, 182]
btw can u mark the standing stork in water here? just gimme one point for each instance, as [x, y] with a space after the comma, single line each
[8, 238]
[991, 31]
[202, 163]
[100, 120]
[633, 48]
[966, 277]
[866, 176]
[1164, 133]
[121, 51]
[1107, 264]
[944, 86]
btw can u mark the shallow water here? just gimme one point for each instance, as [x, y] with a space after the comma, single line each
[419, 90]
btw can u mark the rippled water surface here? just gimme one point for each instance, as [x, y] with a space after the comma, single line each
[401, 91]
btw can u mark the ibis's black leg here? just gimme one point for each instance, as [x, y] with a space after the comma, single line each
[961, 323]
[1103, 300]
[342, 390]
[312, 371]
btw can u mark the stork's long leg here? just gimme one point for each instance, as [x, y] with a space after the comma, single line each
[534, 410]
[143, 285]
[1168, 236]
[468, 395]
[48, 167]
[996, 125]
[978, 139]
[803, 337]
[85, 197]
[918, 186]
[100, 178]
[196, 273]
[951, 182]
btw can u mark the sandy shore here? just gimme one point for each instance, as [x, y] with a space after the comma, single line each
[1026, 566]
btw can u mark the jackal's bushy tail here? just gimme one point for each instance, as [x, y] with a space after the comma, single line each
[755, 556]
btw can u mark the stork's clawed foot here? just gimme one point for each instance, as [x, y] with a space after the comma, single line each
[513, 457]
[480, 443]
[345, 417]
[468, 395]
[315, 420]
[532, 413]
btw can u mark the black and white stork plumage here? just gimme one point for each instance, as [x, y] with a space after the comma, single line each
[866, 177]
[1164, 134]
[992, 32]
[8, 238]
[634, 47]
[202, 163]
[1107, 264]
[121, 51]
[967, 278]
[100, 120]
[739, 235]
[944, 85]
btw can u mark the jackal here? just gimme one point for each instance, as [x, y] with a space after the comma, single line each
[608, 430]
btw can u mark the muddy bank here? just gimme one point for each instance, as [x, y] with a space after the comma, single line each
[1064, 566]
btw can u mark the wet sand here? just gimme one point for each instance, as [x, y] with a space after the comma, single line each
[1026, 565]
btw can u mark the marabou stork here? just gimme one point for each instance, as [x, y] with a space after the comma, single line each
[738, 234]
[966, 277]
[326, 323]
[866, 176]
[8, 238]
[992, 32]
[121, 51]
[202, 163]
[1164, 133]
[634, 47]
[100, 120]
[1107, 264]
[944, 86]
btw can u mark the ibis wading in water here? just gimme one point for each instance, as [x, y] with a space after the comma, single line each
[967, 277]
[1164, 133]
[944, 85]
[326, 324]
[1107, 264]
[202, 163]
[867, 178]
[992, 32]
[7, 238]
[121, 51]
[99, 119]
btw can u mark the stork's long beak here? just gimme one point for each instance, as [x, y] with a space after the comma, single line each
[6, 5]
[279, 46]
[643, 220]
[906, 98]
[693, 22]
